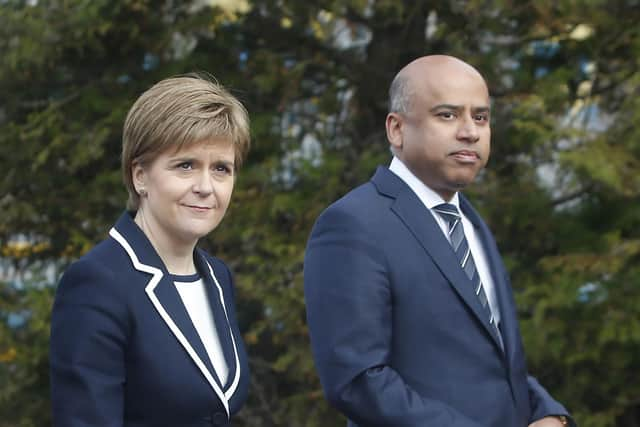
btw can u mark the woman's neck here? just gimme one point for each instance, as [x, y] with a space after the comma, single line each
[177, 256]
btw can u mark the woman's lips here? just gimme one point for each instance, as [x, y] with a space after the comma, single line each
[199, 208]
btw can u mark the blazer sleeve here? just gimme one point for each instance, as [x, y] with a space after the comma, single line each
[349, 312]
[542, 404]
[87, 347]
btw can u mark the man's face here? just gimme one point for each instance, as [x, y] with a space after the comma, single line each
[445, 135]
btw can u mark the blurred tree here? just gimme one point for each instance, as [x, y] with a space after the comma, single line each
[561, 192]
[25, 304]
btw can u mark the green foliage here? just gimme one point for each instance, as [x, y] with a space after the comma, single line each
[561, 192]
[25, 306]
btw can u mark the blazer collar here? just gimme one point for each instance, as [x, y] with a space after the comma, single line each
[165, 298]
[408, 207]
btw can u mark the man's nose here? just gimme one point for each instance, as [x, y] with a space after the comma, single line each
[468, 131]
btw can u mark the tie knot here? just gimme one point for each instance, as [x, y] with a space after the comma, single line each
[449, 212]
[447, 209]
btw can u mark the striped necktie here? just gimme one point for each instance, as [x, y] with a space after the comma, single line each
[451, 215]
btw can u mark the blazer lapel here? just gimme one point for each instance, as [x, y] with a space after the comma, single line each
[215, 296]
[228, 348]
[164, 296]
[424, 228]
[170, 300]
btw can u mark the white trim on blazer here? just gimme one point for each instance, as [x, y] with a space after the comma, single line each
[236, 378]
[149, 289]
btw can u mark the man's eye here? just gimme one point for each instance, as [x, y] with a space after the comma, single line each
[481, 118]
[447, 115]
[185, 166]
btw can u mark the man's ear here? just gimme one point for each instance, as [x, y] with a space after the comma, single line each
[393, 125]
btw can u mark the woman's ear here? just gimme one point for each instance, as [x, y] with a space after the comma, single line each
[139, 178]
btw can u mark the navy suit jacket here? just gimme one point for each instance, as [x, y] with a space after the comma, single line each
[398, 335]
[124, 351]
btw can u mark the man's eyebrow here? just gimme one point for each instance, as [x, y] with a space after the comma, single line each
[446, 107]
[481, 109]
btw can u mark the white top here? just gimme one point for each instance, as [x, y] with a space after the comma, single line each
[194, 297]
[431, 199]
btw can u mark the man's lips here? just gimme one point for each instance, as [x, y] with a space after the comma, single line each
[466, 155]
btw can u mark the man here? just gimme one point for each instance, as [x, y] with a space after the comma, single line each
[410, 310]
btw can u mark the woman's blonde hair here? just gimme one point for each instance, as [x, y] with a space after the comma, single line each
[176, 112]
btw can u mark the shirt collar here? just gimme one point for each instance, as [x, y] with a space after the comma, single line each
[426, 195]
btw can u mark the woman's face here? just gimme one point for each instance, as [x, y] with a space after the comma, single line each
[185, 193]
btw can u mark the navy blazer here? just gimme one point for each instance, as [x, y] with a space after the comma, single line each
[398, 335]
[124, 351]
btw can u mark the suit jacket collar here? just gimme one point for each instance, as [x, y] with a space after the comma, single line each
[413, 214]
[164, 296]
[427, 196]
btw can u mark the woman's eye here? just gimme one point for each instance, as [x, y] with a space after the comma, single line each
[185, 166]
[223, 168]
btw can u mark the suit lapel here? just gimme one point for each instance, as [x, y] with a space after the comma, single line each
[508, 317]
[420, 222]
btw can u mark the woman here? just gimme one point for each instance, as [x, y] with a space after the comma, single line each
[144, 330]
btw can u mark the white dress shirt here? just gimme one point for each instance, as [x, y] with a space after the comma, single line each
[194, 296]
[431, 199]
